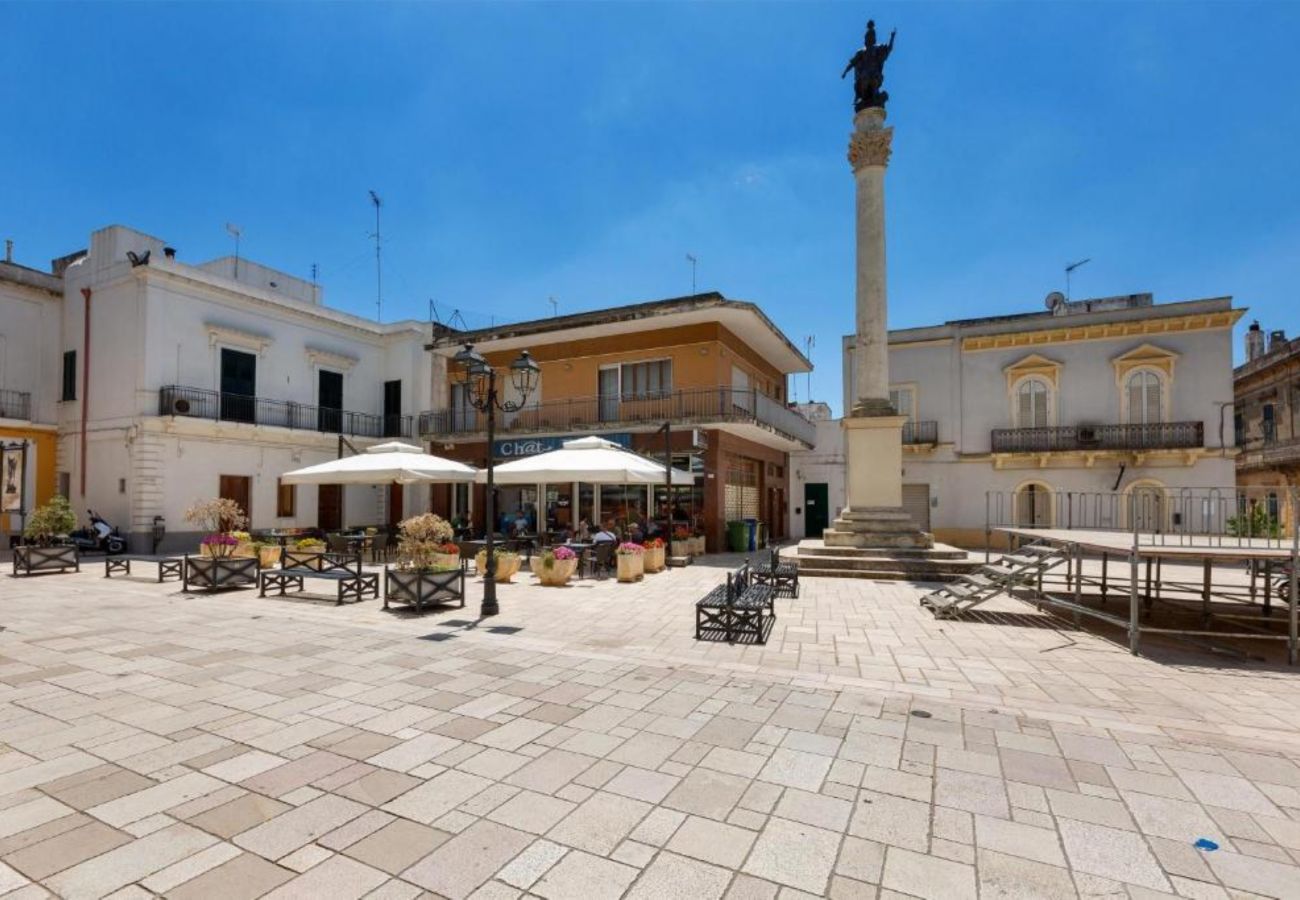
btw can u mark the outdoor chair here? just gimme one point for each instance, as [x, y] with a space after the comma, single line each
[379, 548]
[337, 543]
[602, 559]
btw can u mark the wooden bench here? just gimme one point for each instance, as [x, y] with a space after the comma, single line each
[168, 566]
[783, 577]
[739, 609]
[342, 568]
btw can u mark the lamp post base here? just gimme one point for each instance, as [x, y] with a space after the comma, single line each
[488, 609]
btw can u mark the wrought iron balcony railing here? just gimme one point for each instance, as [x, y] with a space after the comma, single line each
[1268, 451]
[920, 433]
[699, 406]
[176, 400]
[1154, 436]
[15, 405]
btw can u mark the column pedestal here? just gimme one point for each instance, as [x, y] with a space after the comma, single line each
[874, 517]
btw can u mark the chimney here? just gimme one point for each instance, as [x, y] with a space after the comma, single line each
[1254, 341]
[1276, 340]
[169, 252]
[9, 250]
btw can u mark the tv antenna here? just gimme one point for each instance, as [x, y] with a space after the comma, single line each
[379, 271]
[693, 261]
[235, 232]
[555, 307]
[808, 343]
[1069, 270]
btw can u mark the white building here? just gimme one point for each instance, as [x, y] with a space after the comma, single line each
[817, 489]
[171, 382]
[1012, 413]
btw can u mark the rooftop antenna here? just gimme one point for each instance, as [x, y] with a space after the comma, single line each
[555, 307]
[235, 232]
[809, 342]
[379, 272]
[315, 291]
[1069, 270]
[693, 261]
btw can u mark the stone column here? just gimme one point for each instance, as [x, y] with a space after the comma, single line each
[869, 155]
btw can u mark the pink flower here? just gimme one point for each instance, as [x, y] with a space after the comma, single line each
[564, 553]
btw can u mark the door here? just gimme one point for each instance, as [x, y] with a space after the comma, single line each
[329, 507]
[816, 508]
[1034, 506]
[238, 386]
[607, 388]
[916, 503]
[1148, 509]
[395, 496]
[330, 402]
[240, 489]
[392, 409]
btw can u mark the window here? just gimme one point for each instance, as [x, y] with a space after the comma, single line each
[286, 500]
[1269, 423]
[392, 408]
[240, 489]
[1031, 403]
[329, 399]
[463, 414]
[1238, 429]
[238, 386]
[646, 380]
[69, 375]
[1274, 509]
[1145, 393]
[904, 401]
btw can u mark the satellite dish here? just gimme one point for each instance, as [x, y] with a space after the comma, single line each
[1054, 300]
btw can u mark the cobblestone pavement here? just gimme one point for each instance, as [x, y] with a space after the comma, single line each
[583, 745]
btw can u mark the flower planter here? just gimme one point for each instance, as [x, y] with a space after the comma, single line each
[654, 559]
[30, 559]
[697, 544]
[507, 566]
[631, 566]
[446, 560]
[211, 573]
[421, 587]
[267, 557]
[558, 574]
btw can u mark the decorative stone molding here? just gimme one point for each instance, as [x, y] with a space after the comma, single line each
[318, 356]
[1147, 356]
[1033, 364]
[224, 334]
[1102, 331]
[870, 148]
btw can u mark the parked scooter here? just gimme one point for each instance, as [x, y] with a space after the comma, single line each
[100, 537]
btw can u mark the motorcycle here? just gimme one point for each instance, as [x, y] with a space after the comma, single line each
[100, 537]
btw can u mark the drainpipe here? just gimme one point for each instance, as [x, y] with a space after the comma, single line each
[85, 387]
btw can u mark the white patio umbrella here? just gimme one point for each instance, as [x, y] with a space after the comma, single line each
[389, 463]
[589, 459]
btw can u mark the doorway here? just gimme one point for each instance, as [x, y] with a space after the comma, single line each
[816, 508]
[329, 507]
[240, 489]
[392, 409]
[238, 386]
[916, 503]
[330, 402]
[396, 492]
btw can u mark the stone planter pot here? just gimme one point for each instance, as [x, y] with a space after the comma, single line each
[420, 588]
[211, 573]
[31, 560]
[267, 557]
[698, 543]
[631, 566]
[683, 547]
[558, 574]
[507, 566]
[655, 559]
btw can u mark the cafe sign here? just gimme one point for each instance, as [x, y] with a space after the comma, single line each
[518, 448]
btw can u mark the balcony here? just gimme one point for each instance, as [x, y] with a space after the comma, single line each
[15, 405]
[1269, 450]
[920, 434]
[198, 403]
[693, 406]
[1156, 436]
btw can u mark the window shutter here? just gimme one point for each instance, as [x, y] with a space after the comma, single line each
[1153, 411]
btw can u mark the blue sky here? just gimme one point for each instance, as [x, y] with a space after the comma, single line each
[582, 150]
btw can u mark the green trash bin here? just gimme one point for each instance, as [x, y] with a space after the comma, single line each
[737, 536]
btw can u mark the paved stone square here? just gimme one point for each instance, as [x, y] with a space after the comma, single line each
[583, 745]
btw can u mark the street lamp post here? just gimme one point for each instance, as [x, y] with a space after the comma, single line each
[481, 380]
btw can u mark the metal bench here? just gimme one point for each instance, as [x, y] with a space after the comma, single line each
[740, 609]
[783, 577]
[342, 568]
[168, 566]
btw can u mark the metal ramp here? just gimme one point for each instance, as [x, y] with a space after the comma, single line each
[1022, 568]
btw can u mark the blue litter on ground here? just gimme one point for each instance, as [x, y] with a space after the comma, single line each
[1205, 844]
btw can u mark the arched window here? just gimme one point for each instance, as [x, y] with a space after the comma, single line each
[1032, 396]
[1145, 397]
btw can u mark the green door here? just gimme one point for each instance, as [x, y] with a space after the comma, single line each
[816, 509]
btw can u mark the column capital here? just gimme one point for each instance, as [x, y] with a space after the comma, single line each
[870, 147]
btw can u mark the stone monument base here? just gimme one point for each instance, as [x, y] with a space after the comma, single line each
[875, 526]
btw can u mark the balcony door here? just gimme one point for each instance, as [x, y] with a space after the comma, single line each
[329, 415]
[392, 409]
[238, 385]
[608, 392]
[1032, 404]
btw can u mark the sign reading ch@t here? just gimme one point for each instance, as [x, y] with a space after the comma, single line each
[518, 448]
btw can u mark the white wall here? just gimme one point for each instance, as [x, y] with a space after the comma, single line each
[823, 463]
[30, 361]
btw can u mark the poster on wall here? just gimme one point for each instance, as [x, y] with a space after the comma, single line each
[11, 479]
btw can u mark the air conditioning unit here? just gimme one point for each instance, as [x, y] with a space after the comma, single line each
[180, 406]
[1088, 434]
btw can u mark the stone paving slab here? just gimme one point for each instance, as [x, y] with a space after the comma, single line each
[582, 744]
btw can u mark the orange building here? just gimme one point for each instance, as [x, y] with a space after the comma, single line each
[714, 369]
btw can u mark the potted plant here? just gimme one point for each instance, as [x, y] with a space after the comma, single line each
[698, 544]
[425, 571]
[507, 563]
[555, 567]
[217, 565]
[683, 543]
[655, 555]
[267, 553]
[43, 549]
[631, 561]
[309, 545]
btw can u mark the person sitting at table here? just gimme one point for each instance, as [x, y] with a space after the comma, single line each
[584, 531]
[635, 533]
[520, 525]
[605, 535]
